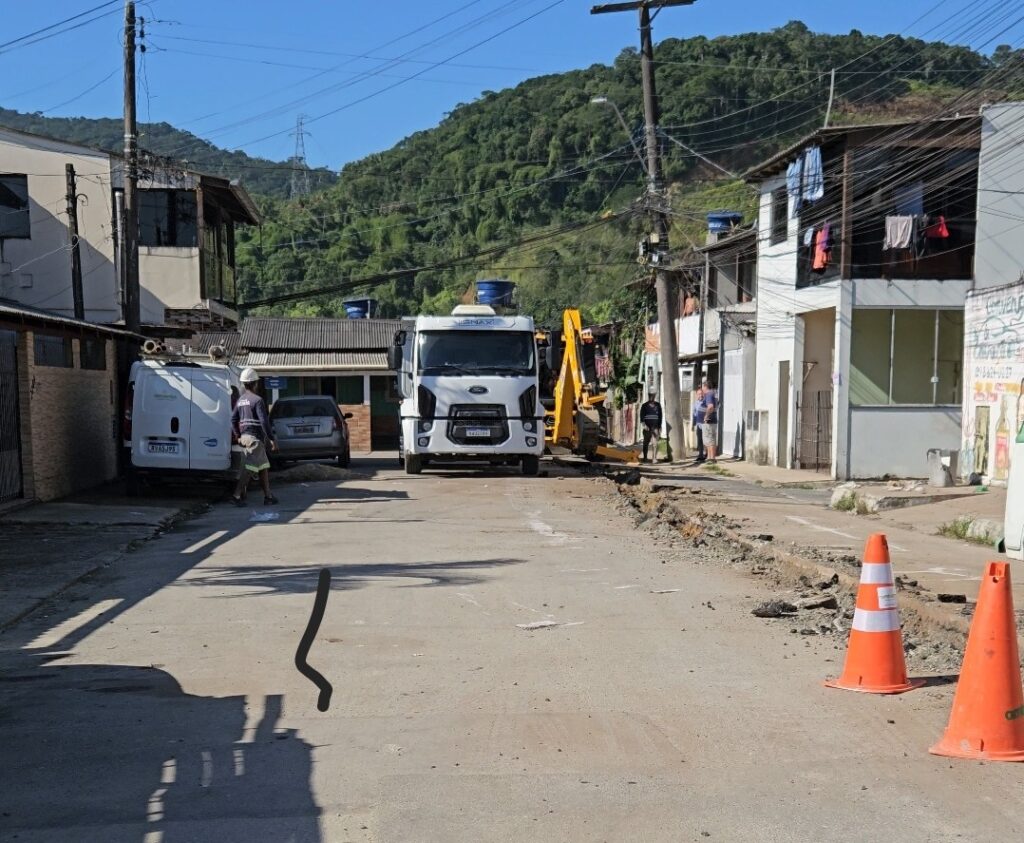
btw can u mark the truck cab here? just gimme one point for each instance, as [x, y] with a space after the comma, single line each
[469, 387]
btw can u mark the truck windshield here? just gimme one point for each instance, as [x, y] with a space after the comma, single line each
[476, 352]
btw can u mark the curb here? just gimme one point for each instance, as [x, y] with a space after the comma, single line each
[106, 559]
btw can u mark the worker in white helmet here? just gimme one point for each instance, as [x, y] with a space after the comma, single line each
[251, 424]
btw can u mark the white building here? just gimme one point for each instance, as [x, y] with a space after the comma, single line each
[186, 234]
[860, 351]
[994, 319]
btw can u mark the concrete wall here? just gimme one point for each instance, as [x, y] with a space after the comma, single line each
[993, 377]
[999, 254]
[895, 440]
[68, 419]
[37, 271]
[170, 275]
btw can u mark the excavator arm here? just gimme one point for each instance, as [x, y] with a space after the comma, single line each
[576, 420]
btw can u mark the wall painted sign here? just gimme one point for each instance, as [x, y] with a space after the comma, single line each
[993, 379]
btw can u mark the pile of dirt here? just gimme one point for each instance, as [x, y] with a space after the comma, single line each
[310, 472]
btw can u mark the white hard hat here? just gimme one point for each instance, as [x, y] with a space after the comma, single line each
[249, 375]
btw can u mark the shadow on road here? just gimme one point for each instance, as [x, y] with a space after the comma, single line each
[126, 753]
[289, 579]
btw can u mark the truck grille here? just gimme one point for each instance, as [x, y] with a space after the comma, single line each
[467, 424]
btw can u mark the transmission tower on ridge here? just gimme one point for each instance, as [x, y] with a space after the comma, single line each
[300, 169]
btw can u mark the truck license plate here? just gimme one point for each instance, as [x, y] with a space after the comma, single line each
[478, 432]
[163, 447]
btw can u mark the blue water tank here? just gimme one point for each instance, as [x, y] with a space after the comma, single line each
[360, 308]
[495, 292]
[721, 222]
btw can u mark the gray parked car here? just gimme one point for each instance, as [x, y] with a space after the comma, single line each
[310, 427]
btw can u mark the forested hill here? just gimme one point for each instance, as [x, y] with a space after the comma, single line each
[523, 161]
[270, 178]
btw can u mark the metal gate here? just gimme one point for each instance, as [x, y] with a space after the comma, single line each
[10, 429]
[815, 415]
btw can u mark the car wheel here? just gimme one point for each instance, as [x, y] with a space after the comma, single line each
[531, 465]
[345, 459]
[413, 464]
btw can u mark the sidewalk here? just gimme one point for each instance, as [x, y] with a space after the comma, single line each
[797, 517]
[47, 547]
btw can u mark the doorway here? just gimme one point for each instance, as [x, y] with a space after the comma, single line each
[782, 437]
[11, 486]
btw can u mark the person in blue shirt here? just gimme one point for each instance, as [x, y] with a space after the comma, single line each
[711, 422]
[698, 420]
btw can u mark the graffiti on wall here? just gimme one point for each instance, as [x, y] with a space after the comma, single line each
[993, 380]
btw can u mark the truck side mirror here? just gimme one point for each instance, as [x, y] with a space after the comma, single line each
[395, 358]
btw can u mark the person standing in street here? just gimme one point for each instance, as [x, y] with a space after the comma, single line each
[698, 420]
[711, 422]
[251, 424]
[650, 418]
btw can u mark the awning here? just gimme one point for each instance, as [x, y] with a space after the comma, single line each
[322, 361]
[702, 355]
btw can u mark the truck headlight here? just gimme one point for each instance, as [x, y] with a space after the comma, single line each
[423, 441]
[530, 426]
[426, 426]
[531, 441]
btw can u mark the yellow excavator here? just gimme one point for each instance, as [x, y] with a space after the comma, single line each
[574, 417]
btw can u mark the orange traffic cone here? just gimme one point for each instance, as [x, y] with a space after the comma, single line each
[874, 660]
[987, 721]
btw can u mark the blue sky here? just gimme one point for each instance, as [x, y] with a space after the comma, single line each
[356, 59]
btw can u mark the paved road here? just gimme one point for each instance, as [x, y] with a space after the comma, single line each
[158, 701]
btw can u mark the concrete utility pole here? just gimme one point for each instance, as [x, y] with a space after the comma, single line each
[656, 205]
[132, 296]
[77, 293]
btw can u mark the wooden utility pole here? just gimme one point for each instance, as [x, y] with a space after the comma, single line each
[657, 205]
[77, 294]
[132, 296]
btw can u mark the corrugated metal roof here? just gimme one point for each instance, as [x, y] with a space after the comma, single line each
[230, 340]
[274, 361]
[280, 334]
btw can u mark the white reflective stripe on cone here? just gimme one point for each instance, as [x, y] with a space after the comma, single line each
[876, 620]
[876, 574]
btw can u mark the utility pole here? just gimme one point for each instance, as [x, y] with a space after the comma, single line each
[657, 204]
[77, 294]
[132, 296]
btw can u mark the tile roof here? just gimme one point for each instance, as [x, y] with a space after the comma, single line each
[282, 334]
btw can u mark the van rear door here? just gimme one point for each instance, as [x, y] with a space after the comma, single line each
[210, 428]
[161, 415]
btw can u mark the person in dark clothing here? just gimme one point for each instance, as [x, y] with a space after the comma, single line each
[650, 420]
[251, 424]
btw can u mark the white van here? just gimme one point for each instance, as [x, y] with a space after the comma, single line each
[177, 419]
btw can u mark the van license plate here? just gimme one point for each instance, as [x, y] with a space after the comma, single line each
[478, 432]
[304, 428]
[163, 447]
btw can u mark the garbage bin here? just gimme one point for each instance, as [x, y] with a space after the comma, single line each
[942, 466]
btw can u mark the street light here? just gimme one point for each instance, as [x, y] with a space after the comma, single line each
[636, 150]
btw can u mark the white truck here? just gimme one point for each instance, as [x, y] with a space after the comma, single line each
[469, 389]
